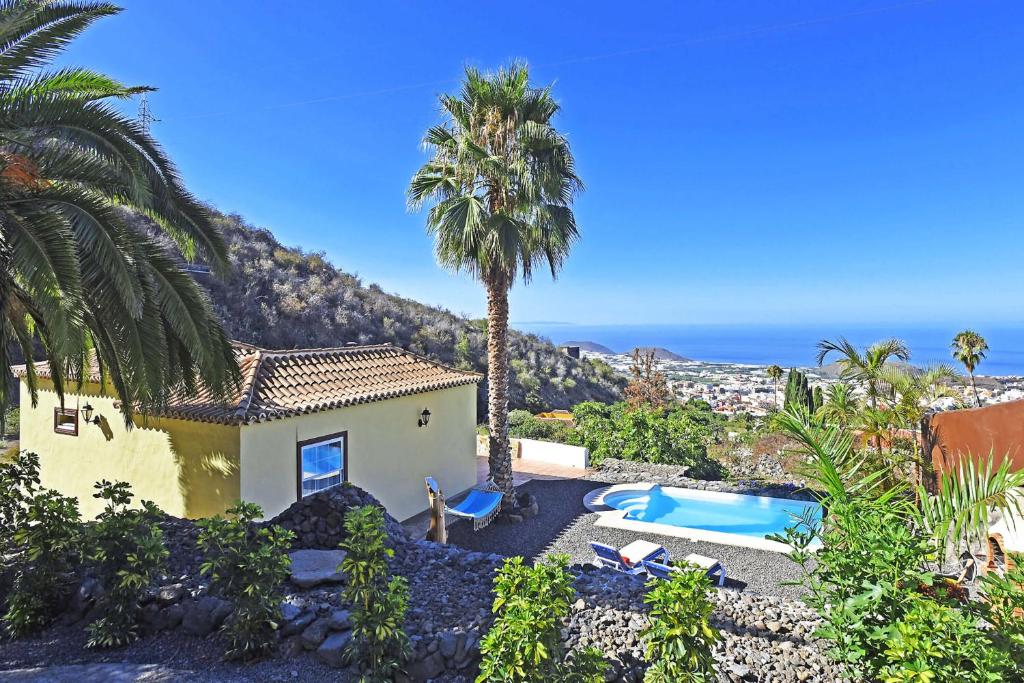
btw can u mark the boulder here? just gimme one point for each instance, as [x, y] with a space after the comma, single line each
[339, 620]
[312, 568]
[315, 633]
[204, 616]
[332, 651]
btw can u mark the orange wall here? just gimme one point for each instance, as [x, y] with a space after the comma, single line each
[997, 429]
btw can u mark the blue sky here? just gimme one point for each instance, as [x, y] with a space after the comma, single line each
[786, 161]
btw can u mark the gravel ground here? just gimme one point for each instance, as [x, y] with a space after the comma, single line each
[564, 525]
[181, 657]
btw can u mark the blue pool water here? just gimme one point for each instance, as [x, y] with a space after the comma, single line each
[728, 513]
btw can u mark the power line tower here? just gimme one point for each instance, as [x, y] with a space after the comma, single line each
[146, 117]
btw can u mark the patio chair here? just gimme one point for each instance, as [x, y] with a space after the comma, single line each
[630, 558]
[710, 565]
[481, 504]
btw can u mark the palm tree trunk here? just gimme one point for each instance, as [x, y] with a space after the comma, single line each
[499, 451]
[776, 383]
[975, 388]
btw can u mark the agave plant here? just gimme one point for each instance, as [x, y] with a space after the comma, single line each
[76, 276]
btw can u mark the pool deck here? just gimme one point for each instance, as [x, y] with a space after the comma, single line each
[565, 525]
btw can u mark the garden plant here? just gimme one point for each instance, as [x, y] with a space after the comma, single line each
[379, 646]
[247, 564]
[524, 644]
[126, 552]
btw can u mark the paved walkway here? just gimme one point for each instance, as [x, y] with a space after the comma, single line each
[95, 673]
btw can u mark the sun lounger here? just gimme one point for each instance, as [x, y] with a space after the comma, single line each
[481, 504]
[710, 565]
[630, 558]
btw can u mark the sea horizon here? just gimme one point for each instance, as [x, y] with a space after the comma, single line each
[789, 345]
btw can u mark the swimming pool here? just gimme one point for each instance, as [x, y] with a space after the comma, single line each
[729, 518]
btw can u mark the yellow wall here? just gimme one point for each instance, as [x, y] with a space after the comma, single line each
[388, 455]
[189, 469]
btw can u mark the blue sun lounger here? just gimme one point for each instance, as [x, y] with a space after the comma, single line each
[710, 565]
[481, 504]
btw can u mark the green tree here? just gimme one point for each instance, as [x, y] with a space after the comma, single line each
[840, 406]
[775, 373]
[501, 182]
[970, 348]
[865, 368]
[75, 274]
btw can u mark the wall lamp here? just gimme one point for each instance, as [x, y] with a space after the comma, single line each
[424, 418]
[87, 415]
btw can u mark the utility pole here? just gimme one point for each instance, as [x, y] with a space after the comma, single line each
[146, 117]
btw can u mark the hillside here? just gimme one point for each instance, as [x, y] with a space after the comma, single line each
[660, 353]
[592, 347]
[282, 297]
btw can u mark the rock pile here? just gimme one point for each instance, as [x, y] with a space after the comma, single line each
[318, 520]
[764, 638]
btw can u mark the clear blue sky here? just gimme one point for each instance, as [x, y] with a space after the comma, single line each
[759, 161]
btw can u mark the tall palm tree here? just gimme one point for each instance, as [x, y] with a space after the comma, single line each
[775, 373]
[76, 276]
[501, 182]
[970, 348]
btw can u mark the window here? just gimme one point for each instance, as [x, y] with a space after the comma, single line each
[65, 421]
[322, 463]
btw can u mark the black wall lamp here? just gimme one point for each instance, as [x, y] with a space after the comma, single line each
[87, 415]
[424, 418]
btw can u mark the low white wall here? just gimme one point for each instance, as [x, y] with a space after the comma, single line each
[554, 453]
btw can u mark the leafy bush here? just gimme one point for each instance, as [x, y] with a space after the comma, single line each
[126, 548]
[1002, 607]
[935, 642]
[43, 530]
[523, 644]
[19, 481]
[680, 638]
[522, 424]
[246, 565]
[378, 646]
[674, 436]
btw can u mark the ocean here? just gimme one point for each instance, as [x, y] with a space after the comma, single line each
[789, 346]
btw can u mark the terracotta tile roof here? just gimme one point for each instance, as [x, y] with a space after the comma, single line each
[278, 384]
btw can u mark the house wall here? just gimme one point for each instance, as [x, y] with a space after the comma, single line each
[189, 469]
[388, 454]
[976, 432]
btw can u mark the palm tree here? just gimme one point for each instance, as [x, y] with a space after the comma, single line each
[840, 407]
[864, 368]
[775, 373]
[970, 348]
[77, 276]
[501, 182]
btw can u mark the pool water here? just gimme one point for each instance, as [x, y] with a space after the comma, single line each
[730, 513]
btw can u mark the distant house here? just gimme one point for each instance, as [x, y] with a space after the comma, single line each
[303, 420]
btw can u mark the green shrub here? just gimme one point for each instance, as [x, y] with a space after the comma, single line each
[680, 638]
[935, 642]
[863, 578]
[42, 529]
[246, 564]
[378, 646]
[523, 644]
[19, 481]
[675, 436]
[1001, 606]
[126, 549]
[522, 424]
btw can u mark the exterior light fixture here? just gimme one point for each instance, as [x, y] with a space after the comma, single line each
[424, 418]
[87, 415]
